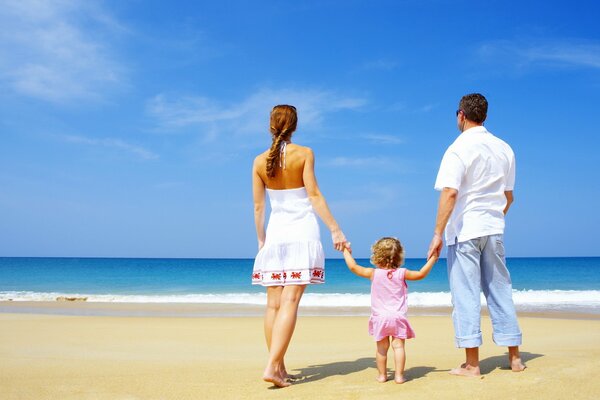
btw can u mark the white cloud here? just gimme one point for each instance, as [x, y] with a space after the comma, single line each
[574, 53]
[380, 65]
[403, 107]
[383, 138]
[111, 143]
[375, 197]
[56, 50]
[358, 162]
[250, 115]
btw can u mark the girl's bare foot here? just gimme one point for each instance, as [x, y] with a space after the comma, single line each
[466, 370]
[399, 378]
[381, 378]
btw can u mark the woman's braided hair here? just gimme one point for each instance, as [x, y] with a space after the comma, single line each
[284, 120]
[387, 253]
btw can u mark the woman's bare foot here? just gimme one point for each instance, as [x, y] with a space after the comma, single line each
[272, 376]
[292, 377]
[399, 379]
[289, 377]
[381, 378]
[466, 370]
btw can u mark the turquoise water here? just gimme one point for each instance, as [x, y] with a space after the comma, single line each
[538, 282]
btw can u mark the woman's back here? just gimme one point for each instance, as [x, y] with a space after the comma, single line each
[288, 172]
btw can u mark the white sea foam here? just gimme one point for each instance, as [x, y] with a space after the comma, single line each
[588, 300]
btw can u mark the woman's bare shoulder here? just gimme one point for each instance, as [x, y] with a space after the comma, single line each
[303, 150]
[261, 159]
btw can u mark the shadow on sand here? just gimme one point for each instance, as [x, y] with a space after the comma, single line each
[317, 372]
[314, 373]
[501, 362]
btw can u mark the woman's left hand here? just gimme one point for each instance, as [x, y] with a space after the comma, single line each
[338, 238]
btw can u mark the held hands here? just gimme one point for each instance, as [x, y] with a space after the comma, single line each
[435, 247]
[338, 238]
[347, 248]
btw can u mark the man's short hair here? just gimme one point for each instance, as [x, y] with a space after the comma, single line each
[474, 106]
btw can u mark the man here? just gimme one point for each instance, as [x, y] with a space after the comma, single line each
[476, 180]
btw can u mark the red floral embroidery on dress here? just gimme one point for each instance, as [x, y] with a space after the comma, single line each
[284, 275]
[296, 275]
[275, 276]
[318, 273]
[256, 276]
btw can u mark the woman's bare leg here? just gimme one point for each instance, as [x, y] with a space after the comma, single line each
[281, 333]
[381, 359]
[273, 302]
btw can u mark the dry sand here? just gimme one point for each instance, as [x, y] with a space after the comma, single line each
[103, 357]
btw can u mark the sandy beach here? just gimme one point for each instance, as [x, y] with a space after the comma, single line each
[49, 356]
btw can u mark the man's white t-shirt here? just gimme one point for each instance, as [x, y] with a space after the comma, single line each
[481, 167]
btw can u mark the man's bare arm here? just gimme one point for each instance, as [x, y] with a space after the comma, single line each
[445, 207]
[509, 200]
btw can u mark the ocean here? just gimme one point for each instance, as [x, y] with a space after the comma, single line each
[539, 284]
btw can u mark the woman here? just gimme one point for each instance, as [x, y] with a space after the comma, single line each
[290, 254]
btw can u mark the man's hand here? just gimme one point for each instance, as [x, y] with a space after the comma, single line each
[435, 247]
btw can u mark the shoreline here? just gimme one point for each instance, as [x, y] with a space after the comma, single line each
[195, 310]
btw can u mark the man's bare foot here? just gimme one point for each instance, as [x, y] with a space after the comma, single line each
[381, 378]
[517, 365]
[399, 379]
[466, 370]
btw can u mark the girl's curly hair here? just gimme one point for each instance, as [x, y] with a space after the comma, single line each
[387, 253]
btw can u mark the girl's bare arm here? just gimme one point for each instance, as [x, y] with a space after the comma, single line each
[423, 272]
[354, 267]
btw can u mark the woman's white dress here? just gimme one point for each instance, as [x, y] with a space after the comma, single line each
[292, 254]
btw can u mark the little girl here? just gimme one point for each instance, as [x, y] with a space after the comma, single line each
[388, 300]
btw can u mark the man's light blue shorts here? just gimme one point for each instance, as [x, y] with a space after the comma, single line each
[476, 265]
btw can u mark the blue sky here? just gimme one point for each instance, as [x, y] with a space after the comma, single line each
[129, 128]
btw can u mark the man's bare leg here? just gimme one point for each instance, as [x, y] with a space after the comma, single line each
[514, 358]
[471, 367]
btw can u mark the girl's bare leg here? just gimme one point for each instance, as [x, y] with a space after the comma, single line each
[381, 359]
[399, 359]
[281, 333]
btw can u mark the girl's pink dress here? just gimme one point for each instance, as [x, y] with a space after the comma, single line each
[389, 305]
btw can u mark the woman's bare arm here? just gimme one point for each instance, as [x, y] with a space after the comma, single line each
[258, 193]
[319, 203]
